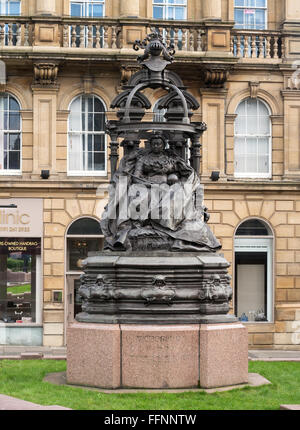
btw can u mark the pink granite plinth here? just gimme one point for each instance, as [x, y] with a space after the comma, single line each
[156, 356]
[93, 355]
[223, 355]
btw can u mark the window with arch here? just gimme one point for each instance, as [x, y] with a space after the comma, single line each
[170, 9]
[83, 236]
[10, 135]
[10, 7]
[87, 141]
[252, 140]
[250, 14]
[254, 271]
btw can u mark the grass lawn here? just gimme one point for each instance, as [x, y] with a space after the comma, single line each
[19, 289]
[24, 380]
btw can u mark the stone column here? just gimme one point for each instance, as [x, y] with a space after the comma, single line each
[212, 9]
[45, 7]
[129, 9]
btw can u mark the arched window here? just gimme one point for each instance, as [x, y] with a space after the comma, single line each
[252, 142]
[83, 236]
[254, 271]
[87, 142]
[10, 135]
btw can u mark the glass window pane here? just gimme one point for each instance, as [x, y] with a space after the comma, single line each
[251, 107]
[90, 101]
[90, 122]
[76, 9]
[99, 122]
[75, 121]
[99, 142]
[251, 163]
[90, 161]
[239, 17]
[262, 109]
[251, 145]
[75, 152]
[98, 105]
[240, 125]
[13, 104]
[240, 145]
[260, 19]
[14, 160]
[14, 142]
[158, 12]
[241, 109]
[90, 142]
[6, 116]
[252, 125]
[263, 146]
[263, 164]
[261, 3]
[98, 10]
[239, 2]
[170, 13]
[14, 121]
[85, 226]
[99, 161]
[264, 125]
[14, 8]
[180, 13]
[240, 165]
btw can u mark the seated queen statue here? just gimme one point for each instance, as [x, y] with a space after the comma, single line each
[156, 203]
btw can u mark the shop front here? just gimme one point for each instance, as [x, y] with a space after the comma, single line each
[21, 227]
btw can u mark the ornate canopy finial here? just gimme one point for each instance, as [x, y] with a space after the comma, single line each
[154, 46]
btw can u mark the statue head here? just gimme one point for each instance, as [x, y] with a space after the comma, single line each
[157, 143]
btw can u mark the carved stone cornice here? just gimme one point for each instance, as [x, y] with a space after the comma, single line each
[45, 74]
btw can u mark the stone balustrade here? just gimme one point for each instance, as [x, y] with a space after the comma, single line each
[257, 44]
[15, 33]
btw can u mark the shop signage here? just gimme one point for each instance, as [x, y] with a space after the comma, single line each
[21, 218]
[16, 245]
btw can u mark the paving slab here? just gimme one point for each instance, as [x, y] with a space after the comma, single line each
[290, 407]
[273, 355]
[8, 403]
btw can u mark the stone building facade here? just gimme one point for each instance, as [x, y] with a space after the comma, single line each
[63, 62]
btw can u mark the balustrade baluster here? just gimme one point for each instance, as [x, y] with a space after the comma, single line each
[268, 46]
[26, 34]
[2, 35]
[246, 46]
[261, 47]
[191, 44]
[82, 36]
[276, 46]
[98, 36]
[114, 37]
[184, 31]
[282, 47]
[73, 36]
[176, 38]
[105, 37]
[253, 46]
[90, 36]
[238, 45]
[18, 38]
[232, 40]
[65, 35]
[10, 34]
[199, 41]
[167, 36]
